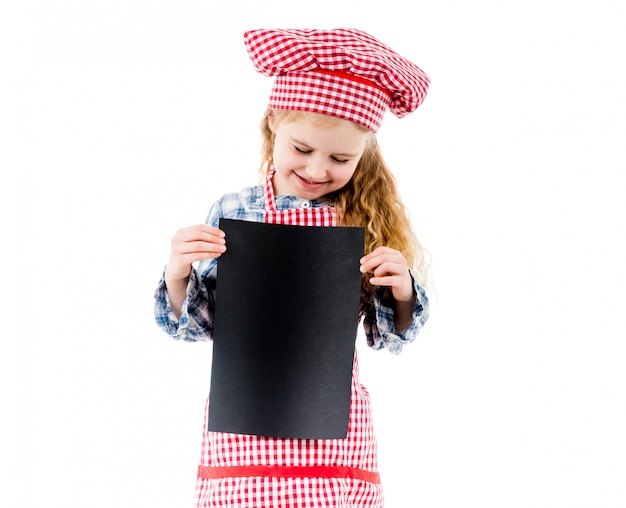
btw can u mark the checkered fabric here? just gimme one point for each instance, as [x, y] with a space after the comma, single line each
[342, 72]
[238, 470]
[257, 485]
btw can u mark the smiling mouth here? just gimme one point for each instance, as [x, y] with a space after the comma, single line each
[310, 183]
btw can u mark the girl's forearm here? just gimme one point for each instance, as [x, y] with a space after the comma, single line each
[176, 292]
[403, 314]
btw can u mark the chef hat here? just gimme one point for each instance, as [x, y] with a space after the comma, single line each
[343, 72]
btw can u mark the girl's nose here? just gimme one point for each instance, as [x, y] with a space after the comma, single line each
[316, 170]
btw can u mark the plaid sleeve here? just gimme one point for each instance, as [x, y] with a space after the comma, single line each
[196, 318]
[378, 320]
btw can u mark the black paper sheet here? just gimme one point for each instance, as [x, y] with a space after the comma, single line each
[286, 317]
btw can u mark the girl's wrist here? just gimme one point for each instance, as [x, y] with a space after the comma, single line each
[172, 280]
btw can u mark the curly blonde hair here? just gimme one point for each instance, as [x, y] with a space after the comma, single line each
[370, 200]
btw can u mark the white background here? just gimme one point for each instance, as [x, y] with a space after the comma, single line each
[122, 121]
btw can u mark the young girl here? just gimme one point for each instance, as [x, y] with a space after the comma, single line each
[321, 165]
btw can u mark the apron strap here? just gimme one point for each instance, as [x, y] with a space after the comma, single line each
[270, 201]
[306, 216]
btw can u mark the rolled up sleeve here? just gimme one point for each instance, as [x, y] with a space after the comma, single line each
[378, 321]
[196, 319]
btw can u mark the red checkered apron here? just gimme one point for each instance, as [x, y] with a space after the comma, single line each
[239, 470]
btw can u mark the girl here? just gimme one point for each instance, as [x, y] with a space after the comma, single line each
[321, 165]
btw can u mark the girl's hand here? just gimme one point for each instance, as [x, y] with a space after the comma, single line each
[390, 269]
[191, 244]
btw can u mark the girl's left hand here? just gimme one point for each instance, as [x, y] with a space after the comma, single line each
[390, 269]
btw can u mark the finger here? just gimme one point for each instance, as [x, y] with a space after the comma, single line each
[207, 238]
[203, 227]
[387, 260]
[389, 268]
[200, 247]
[184, 259]
[194, 240]
[208, 235]
[199, 233]
[387, 280]
[187, 259]
[400, 285]
[377, 252]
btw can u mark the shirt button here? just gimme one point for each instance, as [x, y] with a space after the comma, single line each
[306, 204]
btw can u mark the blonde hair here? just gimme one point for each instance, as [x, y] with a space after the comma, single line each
[370, 200]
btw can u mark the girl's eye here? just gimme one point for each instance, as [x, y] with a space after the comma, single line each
[306, 152]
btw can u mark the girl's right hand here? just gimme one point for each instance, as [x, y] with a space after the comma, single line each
[191, 244]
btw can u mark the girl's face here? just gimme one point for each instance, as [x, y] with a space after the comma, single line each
[315, 155]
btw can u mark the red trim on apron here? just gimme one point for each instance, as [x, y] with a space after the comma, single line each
[211, 473]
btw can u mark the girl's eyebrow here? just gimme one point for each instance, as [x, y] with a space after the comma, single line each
[304, 145]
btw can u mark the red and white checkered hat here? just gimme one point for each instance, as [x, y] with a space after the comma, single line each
[343, 72]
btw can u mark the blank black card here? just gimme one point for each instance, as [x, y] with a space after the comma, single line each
[286, 317]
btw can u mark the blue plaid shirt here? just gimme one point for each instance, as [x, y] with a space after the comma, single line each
[196, 320]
